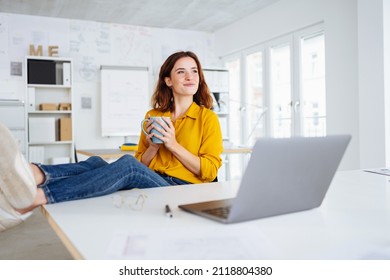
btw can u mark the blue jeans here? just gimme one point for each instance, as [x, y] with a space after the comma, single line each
[95, 177]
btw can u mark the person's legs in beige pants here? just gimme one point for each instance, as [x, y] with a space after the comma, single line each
[17, 184]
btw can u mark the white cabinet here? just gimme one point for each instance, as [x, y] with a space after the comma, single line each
[49, 101]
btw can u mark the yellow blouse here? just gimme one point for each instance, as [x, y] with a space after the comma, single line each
[200, 133]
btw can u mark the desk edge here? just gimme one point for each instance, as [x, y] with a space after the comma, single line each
[65, 240]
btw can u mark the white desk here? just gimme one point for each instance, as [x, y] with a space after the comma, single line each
[352, 223]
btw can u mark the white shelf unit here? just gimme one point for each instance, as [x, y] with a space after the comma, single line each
[49, 81]
[218, 81]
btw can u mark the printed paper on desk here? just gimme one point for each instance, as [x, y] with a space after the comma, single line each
[192, 243]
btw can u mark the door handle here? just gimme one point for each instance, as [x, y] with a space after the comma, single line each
[296, 106]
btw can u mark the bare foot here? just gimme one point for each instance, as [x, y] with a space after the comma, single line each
[39, 177]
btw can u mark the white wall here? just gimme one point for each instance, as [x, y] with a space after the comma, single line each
[91, 44]
[371, 83]
[386, 35]
[340, 20]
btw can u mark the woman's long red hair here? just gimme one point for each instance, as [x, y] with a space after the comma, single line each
[162, 98]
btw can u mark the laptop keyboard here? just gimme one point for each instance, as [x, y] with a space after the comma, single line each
[222, 212]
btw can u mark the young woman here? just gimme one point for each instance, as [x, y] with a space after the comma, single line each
[190, 151]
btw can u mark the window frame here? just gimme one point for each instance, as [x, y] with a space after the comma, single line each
[293, 39]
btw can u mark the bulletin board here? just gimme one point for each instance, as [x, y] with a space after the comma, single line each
[124, 99]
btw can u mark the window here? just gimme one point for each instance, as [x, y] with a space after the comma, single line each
[313, 85]
[254, 103]
[277, 89]
[235, 116]
[282, 92]
[235, 161]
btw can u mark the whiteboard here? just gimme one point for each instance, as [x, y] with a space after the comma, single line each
[125, 99]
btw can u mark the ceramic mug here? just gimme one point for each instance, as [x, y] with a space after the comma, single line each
[156, 124]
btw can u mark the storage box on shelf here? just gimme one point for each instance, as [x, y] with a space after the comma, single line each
[49, 116]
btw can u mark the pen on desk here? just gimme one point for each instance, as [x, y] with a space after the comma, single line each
[168, 211]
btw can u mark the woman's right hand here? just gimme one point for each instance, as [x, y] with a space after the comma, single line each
[152, 149]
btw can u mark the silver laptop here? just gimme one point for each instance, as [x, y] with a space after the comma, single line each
[283, 176]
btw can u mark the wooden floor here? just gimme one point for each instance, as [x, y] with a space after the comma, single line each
[32, 240]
